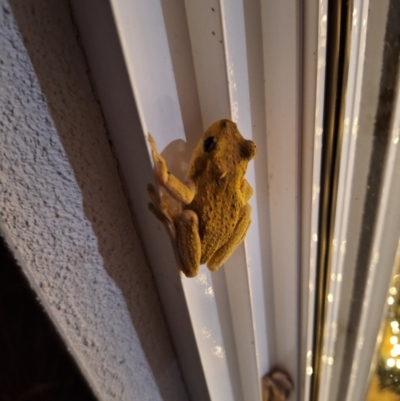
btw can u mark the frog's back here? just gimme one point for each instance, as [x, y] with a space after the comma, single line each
[217, 207]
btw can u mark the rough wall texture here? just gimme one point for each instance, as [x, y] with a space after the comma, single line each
[64, 214]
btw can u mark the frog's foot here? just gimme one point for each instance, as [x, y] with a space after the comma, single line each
[161, 208]
[276, 386]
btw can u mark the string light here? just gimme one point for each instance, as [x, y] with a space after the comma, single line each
[394, 361]
[390, 362]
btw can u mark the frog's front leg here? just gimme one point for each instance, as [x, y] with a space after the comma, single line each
[223, 253]
[247, 191]
[178, 190]
[161, 208]
[188, 243]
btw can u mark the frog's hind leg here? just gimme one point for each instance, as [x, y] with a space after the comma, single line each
[222, 254]
[161, 208]
[188, 242]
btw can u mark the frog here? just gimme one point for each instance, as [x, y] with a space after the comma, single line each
[206, 216]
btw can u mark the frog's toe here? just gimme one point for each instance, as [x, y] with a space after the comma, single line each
[152, 142]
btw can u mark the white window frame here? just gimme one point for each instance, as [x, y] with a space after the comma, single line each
[254, 62]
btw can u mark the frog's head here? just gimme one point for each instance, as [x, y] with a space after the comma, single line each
[224, 139]
[222, 152]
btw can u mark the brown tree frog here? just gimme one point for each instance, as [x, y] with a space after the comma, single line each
[213, 214]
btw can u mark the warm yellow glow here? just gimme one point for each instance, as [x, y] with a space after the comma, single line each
[381, 388]
[330, 298]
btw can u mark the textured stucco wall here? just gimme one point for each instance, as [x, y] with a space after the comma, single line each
[64, 214]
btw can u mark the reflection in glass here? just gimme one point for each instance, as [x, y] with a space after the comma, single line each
[385, 378]
[359, 214]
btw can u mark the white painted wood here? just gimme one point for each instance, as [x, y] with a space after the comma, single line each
[246, 263]
[281, 24]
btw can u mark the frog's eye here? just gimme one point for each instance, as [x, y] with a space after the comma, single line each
[209, 144]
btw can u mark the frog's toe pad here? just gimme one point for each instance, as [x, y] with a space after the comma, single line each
[276, 386]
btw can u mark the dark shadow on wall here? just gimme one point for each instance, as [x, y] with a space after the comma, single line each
[34, 363]
[51, 40]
